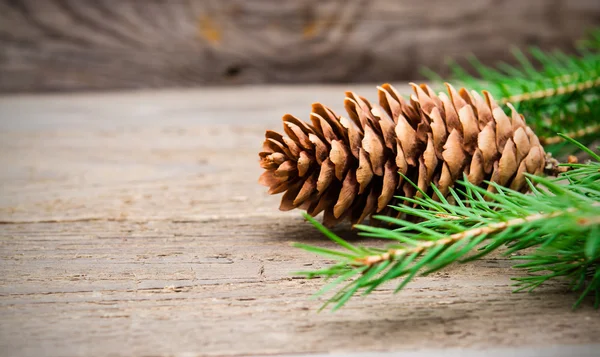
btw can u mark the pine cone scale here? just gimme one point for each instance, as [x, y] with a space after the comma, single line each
[364, 173]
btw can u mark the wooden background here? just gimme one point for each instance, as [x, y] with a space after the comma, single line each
[59, 45]
[132, 224]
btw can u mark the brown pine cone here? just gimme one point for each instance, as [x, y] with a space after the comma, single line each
[349, 168]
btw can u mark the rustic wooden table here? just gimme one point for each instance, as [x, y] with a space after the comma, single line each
[132, 224]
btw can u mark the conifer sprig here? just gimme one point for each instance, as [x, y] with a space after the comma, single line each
[558, 225]
[555, 91]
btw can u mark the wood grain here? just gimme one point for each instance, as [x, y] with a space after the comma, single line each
[132, 224]
[102, 44]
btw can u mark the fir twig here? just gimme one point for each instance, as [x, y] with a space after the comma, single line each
[558, 225]
[592, 129]
[555, 92]
[452, 239]
[551, 92]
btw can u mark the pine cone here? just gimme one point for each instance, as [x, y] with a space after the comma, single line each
[349, 168]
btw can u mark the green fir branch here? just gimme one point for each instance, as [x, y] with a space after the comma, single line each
[556, 92]
[557, 227]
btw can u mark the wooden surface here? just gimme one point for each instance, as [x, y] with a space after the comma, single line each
[133, 225]
[98, 44]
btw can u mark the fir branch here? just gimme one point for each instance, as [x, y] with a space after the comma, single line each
[558, 224]
[590, 130]
[551, 92]
[470, 233]
[554, 91]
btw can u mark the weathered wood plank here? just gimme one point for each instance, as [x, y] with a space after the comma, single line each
[133, 225]
[222, 288]
[100, 44]
[134, 153]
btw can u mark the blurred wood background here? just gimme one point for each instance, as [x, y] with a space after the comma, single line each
[63, 45]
